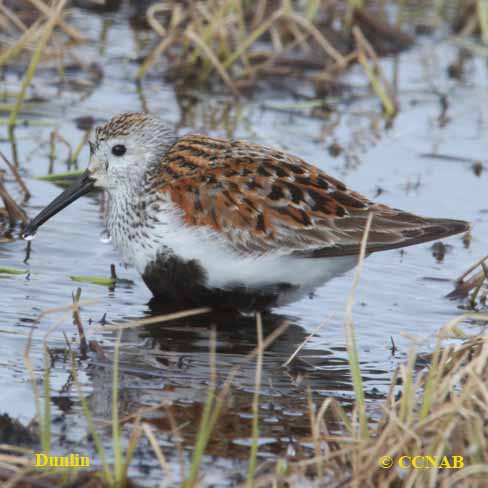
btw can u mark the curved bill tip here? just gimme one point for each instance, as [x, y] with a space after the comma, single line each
[80, 187]
[30, 231]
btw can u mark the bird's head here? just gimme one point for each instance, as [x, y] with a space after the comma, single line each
[125, 147]
[122, 151]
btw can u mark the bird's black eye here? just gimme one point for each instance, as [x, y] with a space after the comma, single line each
[119, 150]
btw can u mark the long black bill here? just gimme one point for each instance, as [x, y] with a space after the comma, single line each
[79, 188]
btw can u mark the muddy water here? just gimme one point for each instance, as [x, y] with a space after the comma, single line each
[399, 292]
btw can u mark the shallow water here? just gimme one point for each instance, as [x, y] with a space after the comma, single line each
[170, 362]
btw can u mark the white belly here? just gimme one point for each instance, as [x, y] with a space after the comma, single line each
[226, 267]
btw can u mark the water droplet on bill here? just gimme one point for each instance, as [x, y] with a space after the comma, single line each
[28, 236]
[105, 236]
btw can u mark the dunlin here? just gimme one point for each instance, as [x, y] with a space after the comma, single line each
[225, 222]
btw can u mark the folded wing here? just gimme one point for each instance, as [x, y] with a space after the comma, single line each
[262, 200]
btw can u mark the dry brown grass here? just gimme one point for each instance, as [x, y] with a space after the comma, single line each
[12, 211]
[239, 42]
[242, 41]
[436, 411]
[439, 411]
[18, 40]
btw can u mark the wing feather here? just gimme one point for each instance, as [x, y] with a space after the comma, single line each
[264, 200]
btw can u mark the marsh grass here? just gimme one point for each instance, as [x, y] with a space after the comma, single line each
[482, 11]
[215, 403]
[92, 429]
[19, 466]
[94, 280]
[206, 425]
[220, 36]
[20, 44]
[437, 410]
[369, 61]
[255, 403]
[18, 178]
[15, 213]
[116, 475]
[12, 271]
[240, 42]
[43, 414]
[47, 31]
[65, 177]
[473, 285]
[116, 437]
[352, 352]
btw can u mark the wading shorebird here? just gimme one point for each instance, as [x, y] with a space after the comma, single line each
[220, 222]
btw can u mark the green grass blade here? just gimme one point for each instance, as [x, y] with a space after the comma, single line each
[116, 441]
[206, 424]
[46, 417]
[352, 352]
[94, 280]
[255, 404]
[36, 57]
[12, 271]
[65, 176]
[91, 425]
